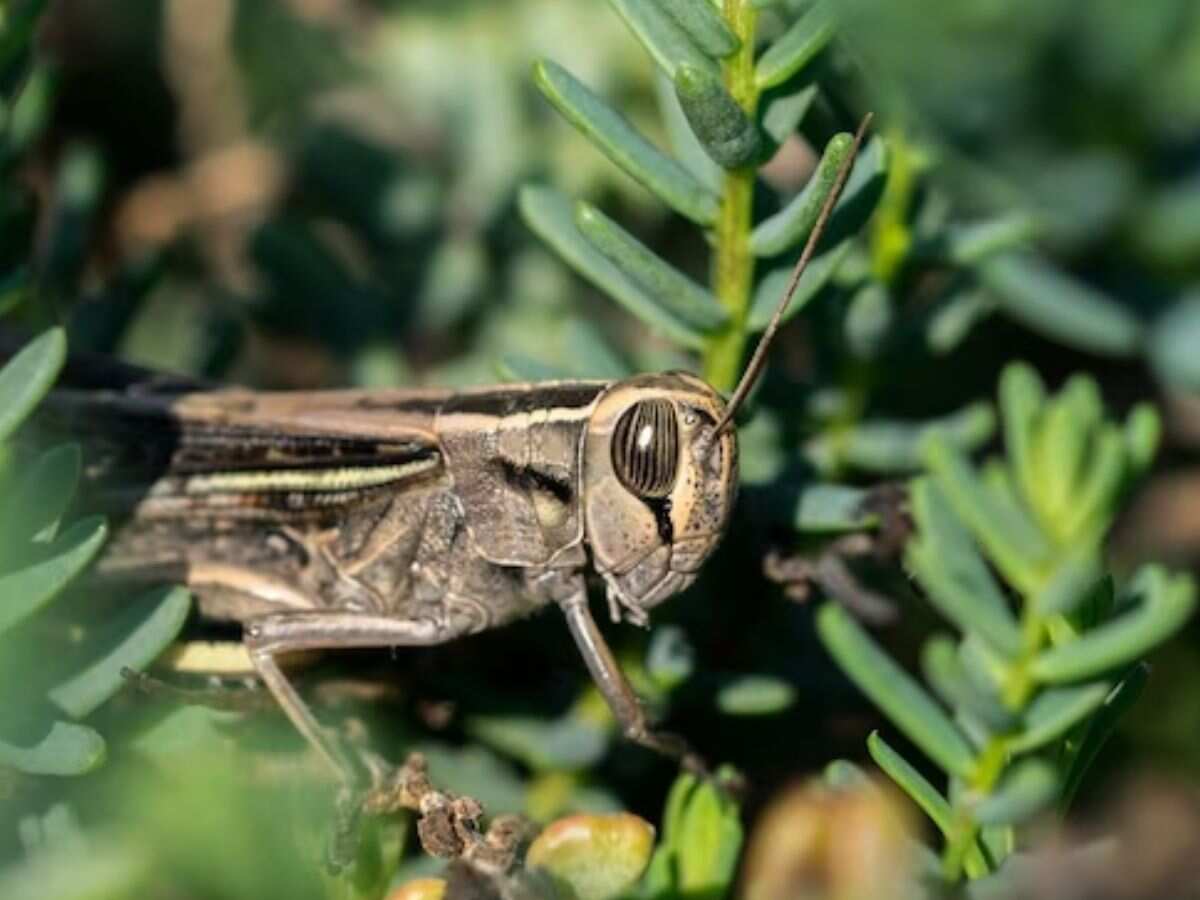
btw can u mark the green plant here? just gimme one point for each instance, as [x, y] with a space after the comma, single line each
[1039, 212]
[1048, 652]
[727, 108]
[41, 553]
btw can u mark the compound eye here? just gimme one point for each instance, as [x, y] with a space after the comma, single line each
[645, 448]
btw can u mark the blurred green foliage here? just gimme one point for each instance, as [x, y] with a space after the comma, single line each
[42, 556]
[366, 192]
[1039, 684]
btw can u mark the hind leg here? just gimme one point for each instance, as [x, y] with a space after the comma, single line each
[281, 633]
[277, 634]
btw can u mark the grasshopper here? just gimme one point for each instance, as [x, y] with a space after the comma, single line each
[403, 518]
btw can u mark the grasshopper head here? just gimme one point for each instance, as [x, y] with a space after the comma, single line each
[659, 483]
[660, 462]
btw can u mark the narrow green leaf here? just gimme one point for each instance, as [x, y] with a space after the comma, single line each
[868, 319]
[1055, 712]
[1092, 508]
[960, 585]
[832, 507]
[780, 113]
[1166, 605]
[681, 297]
[817, 275]
[624, 145]
[724, 130]
[793, 223]
[27, 377]
[591, 356]
[912, 782]
[25, 591]
[1006, 501]
[551, 216]
[68, 749]
[1054, 304]
[1059, 455]
[797, 46]
[955, 317]
[684, 143]
[1070, 584]
[660, 879]
[32, 110]
[707, 841]
[1029, 789]
[977, 731]
[1143, 431]
[131, 640]
[1022, 396]
[887, 446]
[1174, 338]
[970, 244]
[861, 195]
[987, 670]
[670, 659]
[755, 695]
[997, 521]
[894, 691]
[943, 669]
[1101, 728]
[1082, 395]
[704, 25]
[664, 39]
[968, 612]
[39, 500]
[682, 789]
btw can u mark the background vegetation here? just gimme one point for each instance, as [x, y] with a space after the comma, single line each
[361, 192]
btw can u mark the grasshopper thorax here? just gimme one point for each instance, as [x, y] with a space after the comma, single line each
[658, 486]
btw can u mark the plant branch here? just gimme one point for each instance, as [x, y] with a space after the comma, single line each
[733, 263]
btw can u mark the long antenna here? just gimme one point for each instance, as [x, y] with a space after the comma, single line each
[759, 360]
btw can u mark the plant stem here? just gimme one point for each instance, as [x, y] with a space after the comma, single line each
[733, 262]
[959, 843]
[961, 852]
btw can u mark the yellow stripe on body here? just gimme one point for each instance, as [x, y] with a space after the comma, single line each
[306, 480]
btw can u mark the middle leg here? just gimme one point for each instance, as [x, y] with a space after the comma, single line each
[287, 632]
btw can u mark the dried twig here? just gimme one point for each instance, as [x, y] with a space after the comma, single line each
[448, 824]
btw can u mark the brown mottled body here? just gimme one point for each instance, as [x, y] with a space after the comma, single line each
[353, 519]
[408, 505]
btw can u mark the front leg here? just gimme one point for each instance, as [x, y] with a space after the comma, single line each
[611, 681]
